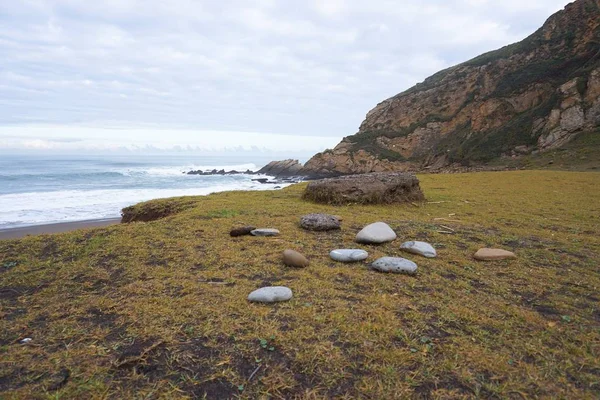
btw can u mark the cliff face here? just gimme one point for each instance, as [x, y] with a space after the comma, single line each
[531, 96]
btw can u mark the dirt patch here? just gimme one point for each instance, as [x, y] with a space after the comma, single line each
[97, 317]
[49, 250]
[452, 387]
[13, 379]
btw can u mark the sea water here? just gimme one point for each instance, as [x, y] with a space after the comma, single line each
[42, 189]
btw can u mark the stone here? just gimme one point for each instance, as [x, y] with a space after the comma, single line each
[241, 231]
[283, 168]
[421, 248]
[320, 222]
[270, 294]
[376, 233]
[395, 264]
[348, 255]
[265, 232]
[493, 254]
[292, 258]
[373, 188]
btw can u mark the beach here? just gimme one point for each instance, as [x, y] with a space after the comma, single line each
[20, 232]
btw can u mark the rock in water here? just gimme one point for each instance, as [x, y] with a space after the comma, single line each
[292, 258]
[376, 233]
[348, 255]
[395, 264]
[320, 222]
[265, 232]
[270, 294]
[421, 248]
[493, 254]
[374, 188]
[241, 231]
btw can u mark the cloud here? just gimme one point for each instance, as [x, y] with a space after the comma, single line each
[294, 68]
[71, 138]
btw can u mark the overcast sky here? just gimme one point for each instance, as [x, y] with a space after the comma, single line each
[298, 75]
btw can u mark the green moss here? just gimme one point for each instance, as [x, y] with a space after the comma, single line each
[582, 83]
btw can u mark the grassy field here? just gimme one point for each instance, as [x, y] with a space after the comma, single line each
[158, 309]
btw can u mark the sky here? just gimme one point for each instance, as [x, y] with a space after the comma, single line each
[190, 75]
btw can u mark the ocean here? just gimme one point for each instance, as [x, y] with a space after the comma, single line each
[38, 189]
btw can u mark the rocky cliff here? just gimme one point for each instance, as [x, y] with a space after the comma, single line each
[528, 97]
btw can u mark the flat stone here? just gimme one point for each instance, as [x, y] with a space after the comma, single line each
[395, 264]
[292, 258]
[241, 231]
[265, 232]
[493, 254]
[270, 294]
[376, 233]
[421, 248]
[320, 222]
[348, 255]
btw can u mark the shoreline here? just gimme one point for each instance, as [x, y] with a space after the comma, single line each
[58, 227]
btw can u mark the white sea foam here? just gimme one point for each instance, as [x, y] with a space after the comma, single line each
[22, 209]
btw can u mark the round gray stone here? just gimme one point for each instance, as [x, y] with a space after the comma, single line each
[265, 232]
[395, 264]
[421, 248]
[270, 294]
[320, 222]
[376, 233]
[348, 255]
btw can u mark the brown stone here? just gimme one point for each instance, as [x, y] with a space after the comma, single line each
[374, 188]
[292, 258]
[241, 231]
[493, 254]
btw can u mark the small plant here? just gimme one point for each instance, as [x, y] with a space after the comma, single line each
[267, 344]
[9, 264]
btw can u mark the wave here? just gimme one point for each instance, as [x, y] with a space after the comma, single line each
[34, 208]
[131, 171]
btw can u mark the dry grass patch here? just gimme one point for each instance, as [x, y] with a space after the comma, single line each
[158, 309]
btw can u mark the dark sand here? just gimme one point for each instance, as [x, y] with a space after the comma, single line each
[16, 233]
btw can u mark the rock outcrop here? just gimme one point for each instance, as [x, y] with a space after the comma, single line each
[371, 188]
[282, 169]
[531, 96]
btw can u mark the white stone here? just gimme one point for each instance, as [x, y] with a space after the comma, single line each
[376, 233]
[270, 294]
[395, 264]
[348, 255]
[421, 248]
[265, 232]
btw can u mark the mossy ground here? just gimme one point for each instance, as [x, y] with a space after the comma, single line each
[581, 154]
[158, 309]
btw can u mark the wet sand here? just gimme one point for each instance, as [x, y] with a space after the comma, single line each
[16, 233]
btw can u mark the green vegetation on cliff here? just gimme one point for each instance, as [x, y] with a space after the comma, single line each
[530, 96]
[158, 309]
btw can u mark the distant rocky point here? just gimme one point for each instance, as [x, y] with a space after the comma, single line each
[285, 171]
[219, 172]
